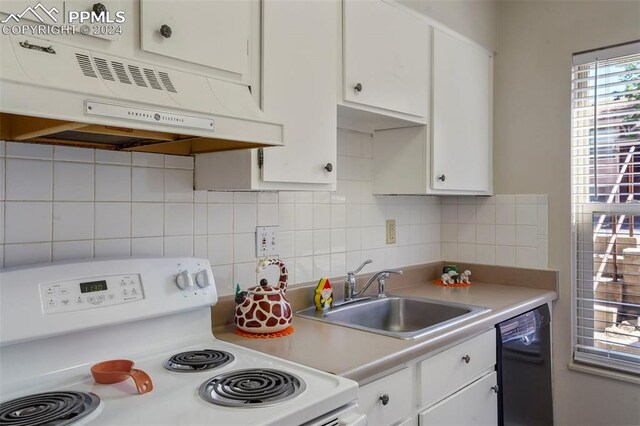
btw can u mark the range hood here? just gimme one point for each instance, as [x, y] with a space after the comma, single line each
[55, 93]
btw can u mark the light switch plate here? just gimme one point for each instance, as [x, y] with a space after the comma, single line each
[266, 241]
[391, 231]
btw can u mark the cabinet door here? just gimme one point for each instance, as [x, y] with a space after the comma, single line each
[389, 400]
[461, 115]
[386, 52]
[477, 404]
[211, 33]
[299, 89]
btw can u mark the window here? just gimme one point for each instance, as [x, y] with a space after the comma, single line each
[606, 206]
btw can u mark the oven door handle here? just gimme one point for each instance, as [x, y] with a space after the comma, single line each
[354, 420]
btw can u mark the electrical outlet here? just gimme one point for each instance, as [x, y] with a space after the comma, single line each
[391, 231]
[266, 241]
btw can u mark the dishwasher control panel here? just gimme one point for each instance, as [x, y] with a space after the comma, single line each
[90, 293]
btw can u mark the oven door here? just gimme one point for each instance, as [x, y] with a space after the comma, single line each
[349, 415]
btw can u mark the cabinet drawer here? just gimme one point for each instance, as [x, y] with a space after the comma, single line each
[444, 373]
[477, 404]
[398, 387]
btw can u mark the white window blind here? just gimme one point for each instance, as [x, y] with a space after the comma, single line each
[606, 207]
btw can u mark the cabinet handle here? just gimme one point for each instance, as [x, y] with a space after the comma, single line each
[329, 167]
[442, 178]
[99, 8]
[495, 388]
[466, 359]
[358, 87]
[165, 31]
[384, 399]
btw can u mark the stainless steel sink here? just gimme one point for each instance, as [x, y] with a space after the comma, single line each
[405, 318]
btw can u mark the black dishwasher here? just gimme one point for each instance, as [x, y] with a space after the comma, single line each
[524, 369]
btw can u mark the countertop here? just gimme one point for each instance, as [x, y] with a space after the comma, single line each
[361, 355]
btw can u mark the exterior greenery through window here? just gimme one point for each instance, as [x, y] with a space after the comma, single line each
[606, 207]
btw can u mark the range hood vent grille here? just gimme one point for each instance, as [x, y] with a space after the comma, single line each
[107, 69]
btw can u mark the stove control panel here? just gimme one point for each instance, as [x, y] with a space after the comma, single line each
[90, 293]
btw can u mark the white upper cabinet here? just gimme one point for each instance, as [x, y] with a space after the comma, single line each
[452, 154]
[215, 34]
[300, 43]
[385, 60]
[461, 115]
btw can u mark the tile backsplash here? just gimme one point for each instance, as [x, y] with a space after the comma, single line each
[61, 203]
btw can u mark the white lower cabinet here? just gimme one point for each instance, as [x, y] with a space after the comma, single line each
[387, 401]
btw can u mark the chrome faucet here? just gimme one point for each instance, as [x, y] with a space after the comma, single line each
[350, 282]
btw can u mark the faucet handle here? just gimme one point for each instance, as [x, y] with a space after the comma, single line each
[365, 263]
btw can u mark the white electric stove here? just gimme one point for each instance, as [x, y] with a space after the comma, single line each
[57, 320]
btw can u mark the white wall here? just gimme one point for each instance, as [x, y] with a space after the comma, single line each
[532, 155]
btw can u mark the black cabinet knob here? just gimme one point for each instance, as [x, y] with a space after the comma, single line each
[442, 178]
[329, 167]
[466, 359]
[165, 31]
[495, 388]
[384, 399]
[358, 87]
[99, 8]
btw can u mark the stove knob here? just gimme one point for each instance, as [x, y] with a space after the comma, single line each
[202, 279]
[184, 280]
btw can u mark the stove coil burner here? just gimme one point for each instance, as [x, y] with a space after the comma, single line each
[50, 408]
[253, 387]
[205, 359]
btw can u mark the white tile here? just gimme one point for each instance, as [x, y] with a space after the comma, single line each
[2, 179]
[244, 274]
[466, 213]
[199, 196]
[178, 246]
[220, 218]
[466, 200]
[354, 192]
[391, 257]
[526, 214]
[449, 232]
[267, 197]
[244, 248]
[466, 252]
[178, 219]
[486, 214]
[367, 147]
[1, 222]
[219, 197]
[29, 180]
[354, 239]
[338, 216]
[526, 236]
[486, 234]
[26, 254]
[354, 215]
[113, 183]
[403, 234]
[322, 216]
[434, 252]
[72, 221]
[485, 254]
[147, 184]
[338, 240]
[245, 217]
[373, 237]
[147, 219]
[286, 197]
[543, 253]
[373, 215]
[287, 244]
[481, 200]
[543, 220]
[199, 219]
[466, 233]
[304, 269]
[321, 197]
[113, 220]
[303, 197]
[286, 214]
[506, 214]
[505, 199]
[1, 148]
[223, 277]
[28, 150]
[433, 233]
[178, 186]
[354, 144]
[267, 214]
[245, 197]
[303, 216]
[342, 142]
[200, 246]
[338, 266]
[147, 247]
[378, 256]
[27, 222]
[527, 257]
[367, 170]
[303, 244]
[113, 157]
[73, 181]
[506, 235]
[449, 213]
[178, 162]
[505, 256]
[146, 159]
[342, 171]
[71, 250]
[69, 153]
[220, 249]
[449, 200]
[321, 266]
[340, 194]
[354, 168]
[113, 248]
[450, 251]
[321, 241]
